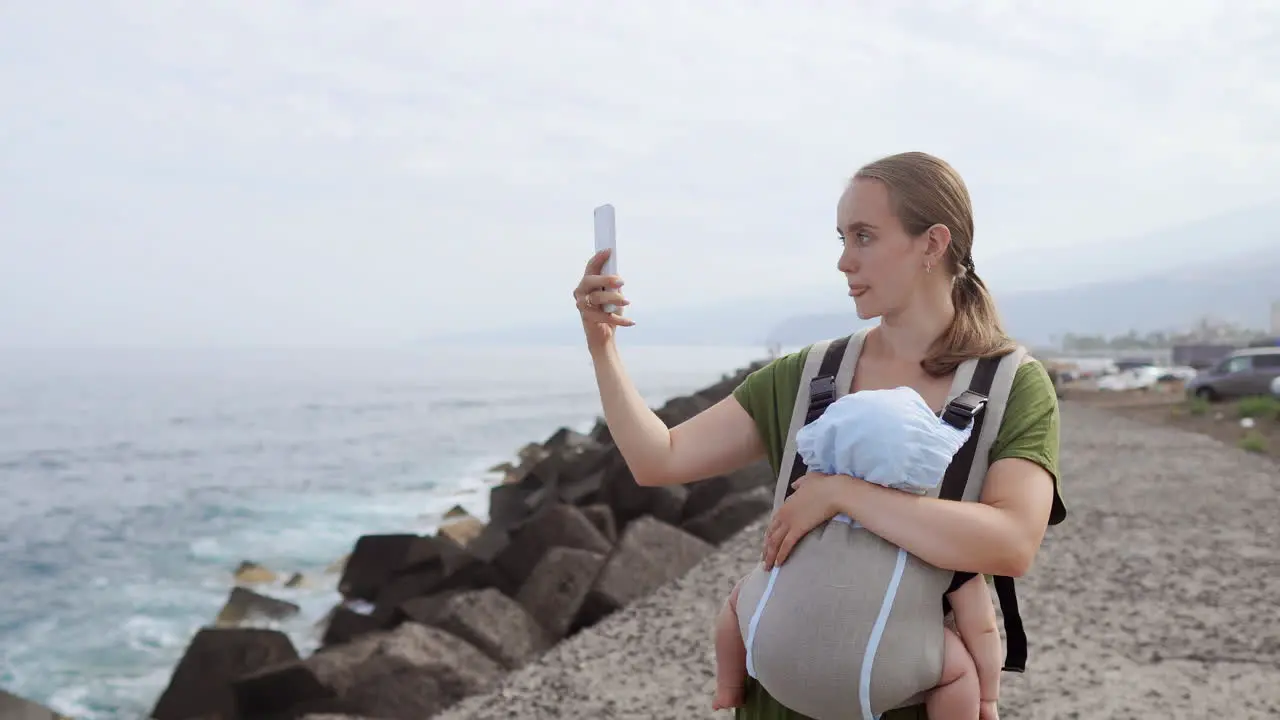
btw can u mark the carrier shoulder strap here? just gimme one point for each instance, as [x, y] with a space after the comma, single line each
[971, 405]
[822, 392]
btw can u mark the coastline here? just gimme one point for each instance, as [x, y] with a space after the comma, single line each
[1141, 604]
[568, 540]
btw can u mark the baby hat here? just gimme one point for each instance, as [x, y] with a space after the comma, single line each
[888, 437]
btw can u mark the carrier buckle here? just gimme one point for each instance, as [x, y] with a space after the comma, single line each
[963, 409]
[822, 392]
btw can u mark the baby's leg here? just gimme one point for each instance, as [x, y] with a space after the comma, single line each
[956, 697]
[731, 655]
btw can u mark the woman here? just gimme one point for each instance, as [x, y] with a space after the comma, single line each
[905, 223]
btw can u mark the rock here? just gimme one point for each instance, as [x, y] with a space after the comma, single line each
[649, 554]
[13, 707]
[528, 456]
[201, 683]
[296, 580]
[511, 503]
[244, 604]
[679, 409]
[600, 432]
[582, 483]
[602, 517]
[492, 622]
[566, 440]
[455, 512]
[555, 525]
[706, 494]
[734, 513]
[426, 609]
[531, 454]
[285, 689]
[629, 500]
[458, 569]
[346, 624]
[558, 586]
[251, 573]
[461, 530]
[409, 673]
[377, 559]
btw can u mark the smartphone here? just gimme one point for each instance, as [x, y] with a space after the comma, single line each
[607, 237]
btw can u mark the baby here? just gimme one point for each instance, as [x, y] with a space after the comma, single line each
[891, 438]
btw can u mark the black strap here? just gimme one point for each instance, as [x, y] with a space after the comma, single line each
[970, 405]
[967, 407]
[822, 392]
[1015, 654]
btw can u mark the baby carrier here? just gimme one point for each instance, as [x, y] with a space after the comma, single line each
[851, 625]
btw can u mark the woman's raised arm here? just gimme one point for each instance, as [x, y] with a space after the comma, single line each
[718, 440]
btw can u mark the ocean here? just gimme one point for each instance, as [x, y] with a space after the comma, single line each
[132, 482]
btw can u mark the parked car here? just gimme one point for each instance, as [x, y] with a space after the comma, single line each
[1275, 387]
[1135, 378]
[1243, 373]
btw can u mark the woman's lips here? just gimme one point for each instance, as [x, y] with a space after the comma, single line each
[857, 290]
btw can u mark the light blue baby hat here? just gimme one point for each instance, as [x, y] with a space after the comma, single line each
[888, 437]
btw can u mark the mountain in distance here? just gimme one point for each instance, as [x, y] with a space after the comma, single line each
[1226, 266]
[1240, 290]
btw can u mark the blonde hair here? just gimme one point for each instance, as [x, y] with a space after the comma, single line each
[926, 191]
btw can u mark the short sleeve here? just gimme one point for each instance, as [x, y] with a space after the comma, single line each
[768, 394]
[1030, 429]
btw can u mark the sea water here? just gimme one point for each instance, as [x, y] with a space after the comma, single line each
[132, 482]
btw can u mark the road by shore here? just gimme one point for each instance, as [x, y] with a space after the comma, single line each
[1158, 598]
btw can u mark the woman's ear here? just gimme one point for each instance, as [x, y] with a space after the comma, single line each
[938, 240]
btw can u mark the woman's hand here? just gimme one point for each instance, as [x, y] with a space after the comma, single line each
[593, 292]
[812, 504]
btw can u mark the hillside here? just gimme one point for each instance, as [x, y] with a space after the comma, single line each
[1240, 291]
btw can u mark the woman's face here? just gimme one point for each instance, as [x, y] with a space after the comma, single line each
[881, 262]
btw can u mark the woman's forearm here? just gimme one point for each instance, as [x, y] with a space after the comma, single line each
[962, 536]
[640, 435]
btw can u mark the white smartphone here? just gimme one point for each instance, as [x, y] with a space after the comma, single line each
[607, 237]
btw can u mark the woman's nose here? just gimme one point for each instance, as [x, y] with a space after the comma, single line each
[846, 263]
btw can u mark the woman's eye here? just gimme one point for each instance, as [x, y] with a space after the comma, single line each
[863, 238]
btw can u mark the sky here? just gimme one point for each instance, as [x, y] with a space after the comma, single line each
[238, 172]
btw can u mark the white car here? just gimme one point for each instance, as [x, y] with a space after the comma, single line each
[1275, 387]
[1139, 378]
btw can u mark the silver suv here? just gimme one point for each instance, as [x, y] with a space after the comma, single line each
[1243, 373]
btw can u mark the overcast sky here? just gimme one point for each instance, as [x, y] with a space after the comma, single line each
[251, 171]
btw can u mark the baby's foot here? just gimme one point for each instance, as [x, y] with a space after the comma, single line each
[727, 697]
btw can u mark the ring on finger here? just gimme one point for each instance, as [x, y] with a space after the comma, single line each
[586, 300]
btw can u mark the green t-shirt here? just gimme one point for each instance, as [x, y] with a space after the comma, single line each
[1029, 430]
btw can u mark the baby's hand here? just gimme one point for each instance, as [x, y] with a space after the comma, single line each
[987, 710]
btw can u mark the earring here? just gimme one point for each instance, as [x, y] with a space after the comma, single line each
[928, 267]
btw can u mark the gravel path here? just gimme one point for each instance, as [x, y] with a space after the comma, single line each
[1158, 598]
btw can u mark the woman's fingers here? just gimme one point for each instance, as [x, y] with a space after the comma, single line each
[600, 316]
[597, 261]
[591, 283]
[772, 543]
[784, 549]
[598, 298]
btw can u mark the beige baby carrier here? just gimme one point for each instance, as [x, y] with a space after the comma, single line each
[851, 625]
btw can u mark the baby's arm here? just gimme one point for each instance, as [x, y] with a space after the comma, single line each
[976, 623]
